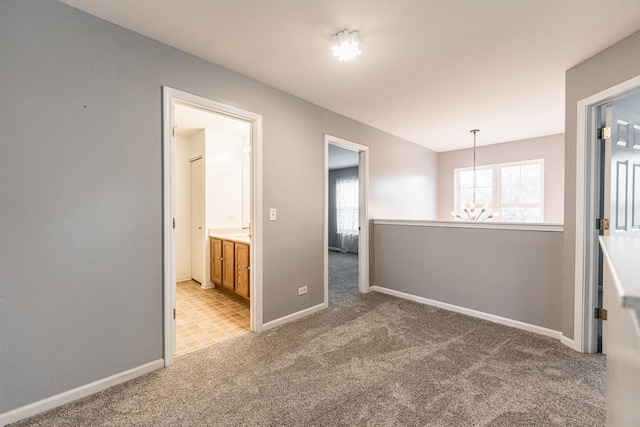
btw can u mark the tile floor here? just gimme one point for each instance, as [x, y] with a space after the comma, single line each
[207, 316]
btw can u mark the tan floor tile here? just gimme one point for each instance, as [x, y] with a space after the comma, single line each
[207, 316]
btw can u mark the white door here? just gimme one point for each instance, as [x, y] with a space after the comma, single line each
[622, 182]
[623, 160]
[197, 220]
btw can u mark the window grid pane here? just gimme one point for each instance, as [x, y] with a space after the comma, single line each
[519, 195]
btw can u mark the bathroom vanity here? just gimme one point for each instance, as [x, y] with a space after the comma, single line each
[230, 262]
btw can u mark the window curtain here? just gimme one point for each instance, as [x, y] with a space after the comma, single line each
[347, 213]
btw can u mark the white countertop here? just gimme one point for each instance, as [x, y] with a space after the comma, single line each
[623, 254]
[234, 237]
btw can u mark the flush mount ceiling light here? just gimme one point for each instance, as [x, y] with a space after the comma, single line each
[346, 45]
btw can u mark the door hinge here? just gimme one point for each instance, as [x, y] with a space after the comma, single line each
[602, 224]
[604, 132]
[600, 313]
[174, 223]
[174, 314]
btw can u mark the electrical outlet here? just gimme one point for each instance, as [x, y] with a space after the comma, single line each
[302, 290]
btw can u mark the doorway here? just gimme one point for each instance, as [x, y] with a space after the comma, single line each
[211, 169]
[596, 197]
[346, 225]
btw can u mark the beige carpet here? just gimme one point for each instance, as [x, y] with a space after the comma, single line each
[367, 360]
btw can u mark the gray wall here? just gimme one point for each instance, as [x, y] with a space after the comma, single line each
[508, 273]
[334, 242]
[610, 67]
[81, 193]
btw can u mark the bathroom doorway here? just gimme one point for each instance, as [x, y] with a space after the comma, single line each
[212, 169]
[212, 261]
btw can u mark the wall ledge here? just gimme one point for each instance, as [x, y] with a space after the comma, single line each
[622, 254]
[477, 225]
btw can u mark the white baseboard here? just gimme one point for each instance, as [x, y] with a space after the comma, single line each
[207, 285]
[77, 393]
[569, 343]
[474, 313]
[293, 316]
[183, 279]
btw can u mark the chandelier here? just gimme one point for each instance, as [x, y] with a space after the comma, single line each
[471, 213]
[346, 45]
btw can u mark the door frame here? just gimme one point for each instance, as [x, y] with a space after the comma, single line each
[169, 96]
[363, 211]
[587, 205]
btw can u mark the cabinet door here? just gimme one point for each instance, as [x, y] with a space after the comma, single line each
[228, 264]
[216, 261]
[242, 269]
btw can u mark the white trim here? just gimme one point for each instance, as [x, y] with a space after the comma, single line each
[582, 301]
[170, 96]
[294, 316]
[183, 279]
[77, 393]
[473, 313]
[363, 237]
[208, 285]
[568, 342]
[469, 224]
[168, 251]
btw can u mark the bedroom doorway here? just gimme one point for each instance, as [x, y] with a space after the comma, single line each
[346, 218]
[595, 199]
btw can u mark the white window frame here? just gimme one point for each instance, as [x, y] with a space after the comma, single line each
[496, 206]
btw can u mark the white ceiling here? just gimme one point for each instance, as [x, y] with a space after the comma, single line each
[188, 120]
[340, 158]
[430, 70]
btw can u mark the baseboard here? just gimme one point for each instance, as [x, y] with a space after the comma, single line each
[77, 393]
[331, 248]
[183, 279]
[208, 285]
[293, 316]
[474, 313]
[569, 343]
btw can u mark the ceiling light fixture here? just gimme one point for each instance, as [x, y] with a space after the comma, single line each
[470, 213]
[346, 45]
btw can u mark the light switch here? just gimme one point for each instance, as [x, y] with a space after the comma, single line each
[273, 214]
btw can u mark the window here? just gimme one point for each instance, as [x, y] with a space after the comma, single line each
[347, 205]
[513, 190]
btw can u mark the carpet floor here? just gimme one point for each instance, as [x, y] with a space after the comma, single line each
[367, 360]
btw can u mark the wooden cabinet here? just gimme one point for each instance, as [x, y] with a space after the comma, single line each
[230, 265]
[242, 269]
[216, 261]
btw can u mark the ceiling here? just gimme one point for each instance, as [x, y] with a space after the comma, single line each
[430, 70]
[340, 158]
[188, 120]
